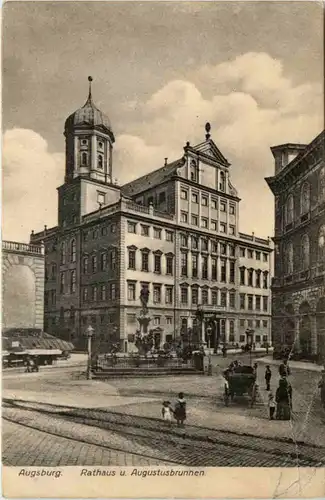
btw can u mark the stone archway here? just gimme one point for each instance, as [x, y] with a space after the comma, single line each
[305, 330]
[320, 327]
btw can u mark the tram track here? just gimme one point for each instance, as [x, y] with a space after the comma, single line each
[189, 446]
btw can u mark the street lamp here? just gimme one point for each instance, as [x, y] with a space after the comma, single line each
[89, 332]
[209, 331]
[249, 335]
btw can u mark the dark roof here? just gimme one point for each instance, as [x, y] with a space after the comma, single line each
[151, 179]
[89, 116]
[33, 339]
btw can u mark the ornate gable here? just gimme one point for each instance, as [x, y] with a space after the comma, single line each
[209, 148]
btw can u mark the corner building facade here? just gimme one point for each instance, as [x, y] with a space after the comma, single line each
[174, 231]
[298, 309]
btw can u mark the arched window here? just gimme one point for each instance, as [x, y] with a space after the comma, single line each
[85, 265]
[321, 244]
[100, 162]
[194, 172]
[222, 182]
[321, 184]
[289, 209]
[305, 252]
[84, 160]
[62, 253]
[73, 251]
[289, 268]
[305, 198]
[73, 282]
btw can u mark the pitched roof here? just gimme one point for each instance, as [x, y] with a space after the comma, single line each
[33, 339]
[210, 149]
[151, 179]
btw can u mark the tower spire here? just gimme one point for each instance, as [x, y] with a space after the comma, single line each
[90, 79]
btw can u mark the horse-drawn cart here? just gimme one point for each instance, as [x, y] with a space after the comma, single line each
[240, 381]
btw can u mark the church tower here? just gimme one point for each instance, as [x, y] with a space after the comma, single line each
[88, 182]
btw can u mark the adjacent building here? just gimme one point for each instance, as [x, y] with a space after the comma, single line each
[174, 231]
[298, 305]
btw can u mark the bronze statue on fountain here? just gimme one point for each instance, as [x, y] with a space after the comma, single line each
[144, 340]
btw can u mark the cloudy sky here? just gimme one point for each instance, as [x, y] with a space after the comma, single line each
[161, 70]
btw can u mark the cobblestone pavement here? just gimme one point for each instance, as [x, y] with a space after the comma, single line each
[188, 446]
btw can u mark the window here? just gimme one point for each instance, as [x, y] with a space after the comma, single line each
[213, 268]
[169, 320]
[132, 227]
[85, 236]
[289, 210]
[265, 257]
[184, 194]
[250, 277]
[184, 295]
[183, 264]
[204, 245]
[232, 328]
[94, 264]
[156, 294]
[194, 220]
[214, 297]
[84, 159]
[265, 323]
[205, 297]
[242, 252]
[257, 323]
[103, 292]
[242, 323]
[113, 291]
[204, 222]
[222, 227]
[85, 265]
[242, 271]
[223, 271]
[305, 198]
[214, 225]
[321, 185]
[95, 234]
[232, 300]
[194, 198]
[73, 250]
[223, 298]
[242, 301]
[258, 255]
[232, 209]
[157, 233]
[241, 338]
[289, 263]
[131, 291]
[144, 230]
[62, 254]
[72, 281]
[150, 200]
[131, 259]
[184, 240]
[112, 259]
[223, 206]
[214, 204]
[232, 230]
[145, 261]
[250, 323]
[62, 282]
[169, 295]
[194, 265]
[100, 162]
[258, 303]
[169, 264]
[162, 197]
[53, 271]
[103, 261]
[265, 279]
[321, 244]
[222, 182]
[169, 236]
[85, 294]
[258, 276]
[195, 295]
[157, 263]
[214, 246]
[204, 201]
[231, 272]
[231, 251]
[104, 231]
[194, 172]
[250, 302]
[250, 254]
[94, 292]
[305, 252]
[265, 304]
[204, 267]
[113, 228]
[195, 243]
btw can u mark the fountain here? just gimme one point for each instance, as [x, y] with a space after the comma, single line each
[144, 340]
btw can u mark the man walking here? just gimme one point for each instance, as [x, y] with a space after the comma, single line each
[268, 375]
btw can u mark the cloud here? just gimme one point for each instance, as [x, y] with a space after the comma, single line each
[30, 177]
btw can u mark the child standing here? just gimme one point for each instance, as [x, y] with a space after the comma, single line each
[166, 412]
[271, 405]
[180, 410]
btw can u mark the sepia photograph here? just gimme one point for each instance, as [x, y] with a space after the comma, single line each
[163, 240]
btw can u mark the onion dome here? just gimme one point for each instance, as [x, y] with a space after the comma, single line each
[89, 116]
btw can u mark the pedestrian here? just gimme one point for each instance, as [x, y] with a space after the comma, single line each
[255, 369]
[272, 405]
[268, 375]
[166, 412]
[224, 351]
[283, 398]
[284, 370]
[180, 410]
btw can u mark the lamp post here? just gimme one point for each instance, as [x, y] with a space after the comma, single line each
[249, 334]
[209, 331]
[89, 332]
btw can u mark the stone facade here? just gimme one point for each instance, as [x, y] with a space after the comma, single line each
[174, 231]
[22, 285]
[298, 298]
